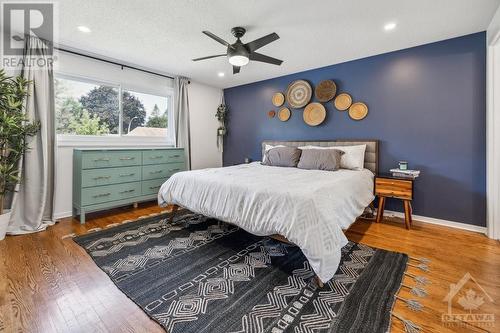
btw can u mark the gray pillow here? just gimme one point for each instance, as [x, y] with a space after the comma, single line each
[320, 159]
[282, 157]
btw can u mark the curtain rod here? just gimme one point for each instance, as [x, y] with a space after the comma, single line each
[18, 38]
[112, 62]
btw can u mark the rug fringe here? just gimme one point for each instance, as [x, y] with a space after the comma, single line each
[419, 279]
[72, 235]
[412, 304]
[409, 326]
[416, 290]
[94, 230]
[421, 259]
[422, 267]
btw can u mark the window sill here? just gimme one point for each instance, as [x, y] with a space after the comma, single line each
[111, 141]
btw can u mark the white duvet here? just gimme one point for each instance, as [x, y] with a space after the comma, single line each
[309, 207]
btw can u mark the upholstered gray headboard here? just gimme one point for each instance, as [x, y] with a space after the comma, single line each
[371, 153]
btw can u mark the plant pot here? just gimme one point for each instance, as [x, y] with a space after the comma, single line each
[4, 223]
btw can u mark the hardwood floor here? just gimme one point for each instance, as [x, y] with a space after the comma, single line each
[48, 284]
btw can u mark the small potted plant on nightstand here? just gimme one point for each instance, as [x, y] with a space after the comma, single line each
[15, 129]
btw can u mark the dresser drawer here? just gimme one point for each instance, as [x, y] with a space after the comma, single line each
[109, 158]
[162, 156]
[101, 194]
[163, 171]
[108, 176]
[151, 186]
[395, 188]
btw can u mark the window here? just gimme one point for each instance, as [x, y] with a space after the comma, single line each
[145, 114]
[87, 108]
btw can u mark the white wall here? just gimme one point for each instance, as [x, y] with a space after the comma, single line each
[493, 128]
[203, 103]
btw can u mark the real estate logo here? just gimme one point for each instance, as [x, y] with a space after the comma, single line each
[22, 20]
[465, 300]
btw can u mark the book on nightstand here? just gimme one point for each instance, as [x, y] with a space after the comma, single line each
[409, 174]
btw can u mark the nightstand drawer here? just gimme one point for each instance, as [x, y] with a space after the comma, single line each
[396, 188]
[394, 183]
[393, 193]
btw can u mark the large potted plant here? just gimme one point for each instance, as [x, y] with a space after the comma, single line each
[15, 130]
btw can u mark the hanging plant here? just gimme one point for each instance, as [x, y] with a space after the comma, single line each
[221, 116]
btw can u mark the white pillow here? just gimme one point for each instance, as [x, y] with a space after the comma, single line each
[353, 157]
[266, 148]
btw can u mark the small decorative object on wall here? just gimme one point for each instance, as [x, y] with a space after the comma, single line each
[298, 94]
[278, 99]
[271, 114]
[314, 114]
[221, 116]
[343, 101]
[284, 114]
[358, 111]
[325, 91]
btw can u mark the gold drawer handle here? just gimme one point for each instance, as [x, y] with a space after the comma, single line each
[175, 156]
[128, 175]
[127, 158]
[102, 177]
[155, 172]
[101, 159]
[156, 157]
[153, 187]
[126, 191]
[172, 170]
[101, 195]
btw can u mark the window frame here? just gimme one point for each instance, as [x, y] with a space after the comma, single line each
[118, 140]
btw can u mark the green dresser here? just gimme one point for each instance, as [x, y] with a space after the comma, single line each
[104, 179]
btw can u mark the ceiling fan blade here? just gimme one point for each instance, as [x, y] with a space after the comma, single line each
[209, 57]
[236, 69]
[258, 43]
[263, 58]
[220, 40]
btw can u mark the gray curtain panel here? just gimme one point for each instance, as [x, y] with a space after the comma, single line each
[181, 117]
[32, 206]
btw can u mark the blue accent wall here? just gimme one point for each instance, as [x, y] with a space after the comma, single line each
[427, 105]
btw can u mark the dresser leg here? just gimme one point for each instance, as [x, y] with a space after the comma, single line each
[82, 216]
[380, 210]
[407, 207]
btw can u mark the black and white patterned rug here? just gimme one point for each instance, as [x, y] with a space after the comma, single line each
[196, 276]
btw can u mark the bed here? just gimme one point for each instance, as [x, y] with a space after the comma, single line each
[309, 208]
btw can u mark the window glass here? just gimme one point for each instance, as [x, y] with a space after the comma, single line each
[86, 108]
[145, 114]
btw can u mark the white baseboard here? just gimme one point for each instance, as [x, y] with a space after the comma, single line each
[62, 215]
[390, 213]
[432, 220]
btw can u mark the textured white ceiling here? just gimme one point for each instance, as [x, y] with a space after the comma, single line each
[166, 34]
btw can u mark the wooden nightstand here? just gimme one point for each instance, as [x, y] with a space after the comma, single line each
[387, 186]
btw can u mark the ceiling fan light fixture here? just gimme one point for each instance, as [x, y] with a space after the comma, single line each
[238, 60]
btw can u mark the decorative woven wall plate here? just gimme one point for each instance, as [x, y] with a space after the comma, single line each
[298, 94]
[314, 114]
[284, 114]
[325, 90]
[343, 101]
[271, 114]
[358, 111]
[278, 99]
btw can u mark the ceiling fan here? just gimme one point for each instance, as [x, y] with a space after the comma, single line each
[240, 54]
